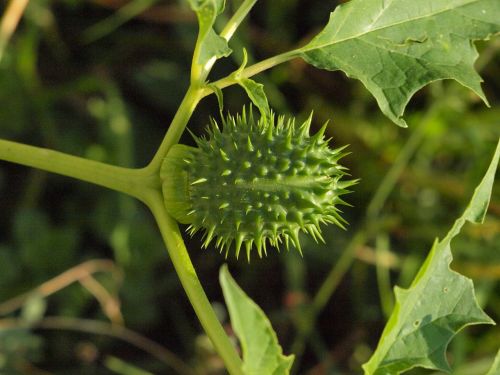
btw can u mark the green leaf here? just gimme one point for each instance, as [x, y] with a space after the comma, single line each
[218, 93]
[210, 44]
[438, 304]
[495, 368]
[395, 47]
[262, 353]
[213, 45]
[254, 90]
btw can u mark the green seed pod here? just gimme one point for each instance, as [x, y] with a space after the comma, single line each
[255, 183]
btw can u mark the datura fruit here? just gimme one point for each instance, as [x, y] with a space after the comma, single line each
[255, 183]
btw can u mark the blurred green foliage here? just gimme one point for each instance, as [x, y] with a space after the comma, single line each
[103, 78]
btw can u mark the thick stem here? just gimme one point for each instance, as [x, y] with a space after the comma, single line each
[192, 286]
[168, 227]
[135, 182]
[177, 126]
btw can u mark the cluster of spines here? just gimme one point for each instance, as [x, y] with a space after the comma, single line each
[254, 183]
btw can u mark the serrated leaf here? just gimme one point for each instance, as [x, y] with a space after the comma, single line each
[495, 367]
[211, 45]
[262, 353]
[395, 47]
[438, 304]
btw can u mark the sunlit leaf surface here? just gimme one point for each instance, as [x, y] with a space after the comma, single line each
[395, 47]
[438, 304]
[262, 353]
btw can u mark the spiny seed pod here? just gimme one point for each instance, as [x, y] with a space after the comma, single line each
[255, 183]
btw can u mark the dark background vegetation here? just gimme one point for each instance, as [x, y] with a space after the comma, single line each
[79, 77]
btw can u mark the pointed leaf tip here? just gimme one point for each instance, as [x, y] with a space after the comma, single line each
[253, 328]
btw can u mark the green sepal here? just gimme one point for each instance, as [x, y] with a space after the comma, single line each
[175, 185]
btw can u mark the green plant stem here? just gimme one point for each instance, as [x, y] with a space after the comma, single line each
[227, 33]
[192, 286]
[168, 227]
[108, 25]
[197, 90]
[253, 70]
[135, 182]
[177, 126]
[237, 18]
[199, 73]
